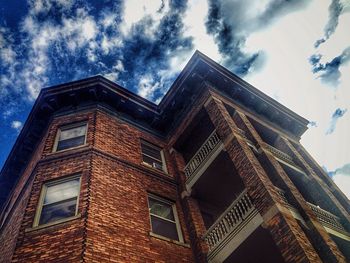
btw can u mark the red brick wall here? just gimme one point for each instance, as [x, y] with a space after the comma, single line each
[9, 233]
[114, 225]
[118, 223]
[62, 242]
[122, 140]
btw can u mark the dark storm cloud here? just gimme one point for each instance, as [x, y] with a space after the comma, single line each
[335, 117]
[335, 9]
[231, 22]
[329, 72]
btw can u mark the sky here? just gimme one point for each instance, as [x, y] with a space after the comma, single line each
[296, 51]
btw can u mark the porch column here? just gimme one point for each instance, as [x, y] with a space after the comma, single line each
[193, 216]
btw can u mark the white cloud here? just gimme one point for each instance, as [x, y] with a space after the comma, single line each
[136, 10]
[44, 6]
[114, 73]
[77, 31]
[194, 21]
[342, 178]
[17, 125]
[147, 86]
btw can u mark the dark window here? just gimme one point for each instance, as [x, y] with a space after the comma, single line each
[71, 136]
[59, 200]
[152, 155]
[163, 218]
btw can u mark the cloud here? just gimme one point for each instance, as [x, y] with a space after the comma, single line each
[335, 117]
[58, 35]
[154, 43]
[231, 22]
[329, 72]
[341, 177]
[335, 9]
[17, 125]
[312, 124]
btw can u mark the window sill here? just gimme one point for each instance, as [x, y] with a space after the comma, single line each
[69, 149]
[169, 240]
[61, 221]
[154, 169]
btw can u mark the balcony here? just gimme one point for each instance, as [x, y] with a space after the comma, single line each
[283, 157]
[329, 221]
[201, 160]
[234, 225]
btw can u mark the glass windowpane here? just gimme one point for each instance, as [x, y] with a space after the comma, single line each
[56, 211]
[73, 132]
[164, 228]
[70, 143]
[153, 152]
[161, 209]
[62, 191]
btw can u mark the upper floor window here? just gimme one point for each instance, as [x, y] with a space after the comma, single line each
[58, 200]
[164, 220]
[152, 155]
[70, 136]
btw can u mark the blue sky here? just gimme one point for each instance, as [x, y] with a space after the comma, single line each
[296, 51]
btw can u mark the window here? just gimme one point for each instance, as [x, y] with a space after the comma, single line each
[164, 221]
[70, 136]
[58, 200]
[152, 156]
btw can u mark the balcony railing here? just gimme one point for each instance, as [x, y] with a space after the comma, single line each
[327, 219]
[229, 221]
[279, 154]
[202, 154]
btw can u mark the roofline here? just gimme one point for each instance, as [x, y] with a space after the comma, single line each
[252, 89]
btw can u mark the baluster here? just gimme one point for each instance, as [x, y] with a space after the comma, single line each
[240, 210]
[249, 200]
[230, 219]
[236, 214]
[244, 199]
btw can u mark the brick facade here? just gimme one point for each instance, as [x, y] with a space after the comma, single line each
[113, 224]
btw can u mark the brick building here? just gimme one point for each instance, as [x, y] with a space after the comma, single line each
[215, 173]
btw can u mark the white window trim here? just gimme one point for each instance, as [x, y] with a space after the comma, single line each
[164, 167]
[42, 197]
[67, 127]
[176, 217]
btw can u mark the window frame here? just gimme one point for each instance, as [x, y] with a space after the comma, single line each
[161, 151]
[176, 217]
[43, 192]
[67, 127]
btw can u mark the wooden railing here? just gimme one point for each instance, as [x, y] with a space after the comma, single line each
[202, 154]
[233, 216]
